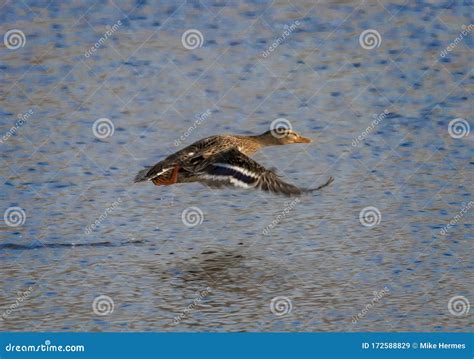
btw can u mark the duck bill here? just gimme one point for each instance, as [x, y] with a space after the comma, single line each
[303, 140]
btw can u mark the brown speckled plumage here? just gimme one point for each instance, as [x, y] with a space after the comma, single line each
[223, 160]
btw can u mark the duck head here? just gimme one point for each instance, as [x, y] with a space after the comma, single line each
[282, 136]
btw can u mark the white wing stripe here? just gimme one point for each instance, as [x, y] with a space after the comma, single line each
[227, 179]
[244, 171]
[160, 173]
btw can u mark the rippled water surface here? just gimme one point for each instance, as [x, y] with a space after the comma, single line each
[259, 61]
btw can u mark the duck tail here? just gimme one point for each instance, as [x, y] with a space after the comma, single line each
[142, 175]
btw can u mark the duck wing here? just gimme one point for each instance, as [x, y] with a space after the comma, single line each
[196, 151]
[233, 168]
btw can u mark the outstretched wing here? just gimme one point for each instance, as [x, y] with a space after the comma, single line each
[197, 150]
[233, 168]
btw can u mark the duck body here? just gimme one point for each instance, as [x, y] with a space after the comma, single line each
[190, 156]
[223, 160]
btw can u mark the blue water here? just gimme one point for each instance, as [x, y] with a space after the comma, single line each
[153, 89]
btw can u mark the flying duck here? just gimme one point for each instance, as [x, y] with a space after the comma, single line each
[223, 160]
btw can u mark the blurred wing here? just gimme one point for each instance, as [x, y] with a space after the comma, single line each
[197, 150]
[233, 168]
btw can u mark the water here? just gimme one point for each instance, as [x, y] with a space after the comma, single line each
[223, 274]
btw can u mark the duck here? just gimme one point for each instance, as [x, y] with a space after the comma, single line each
[224, 161]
